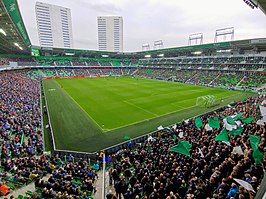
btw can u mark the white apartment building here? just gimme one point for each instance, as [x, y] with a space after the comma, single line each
[110, 33]
[54, 25]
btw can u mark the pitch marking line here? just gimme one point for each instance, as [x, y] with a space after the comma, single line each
[106, 130]
[81, 108]
[148, 119]
[182, 108]
[140, 108]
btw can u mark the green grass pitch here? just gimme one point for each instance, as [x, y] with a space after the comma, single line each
[90, 114]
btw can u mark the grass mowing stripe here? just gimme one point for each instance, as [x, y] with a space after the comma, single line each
[103, 99]
[81, 107]
[70, 124]
[140, 108]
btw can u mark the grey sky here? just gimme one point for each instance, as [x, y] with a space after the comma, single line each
[146, 21]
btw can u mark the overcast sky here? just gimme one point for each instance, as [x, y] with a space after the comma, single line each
[146, 21]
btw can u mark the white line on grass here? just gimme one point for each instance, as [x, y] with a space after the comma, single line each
[182, 108]
[140, 108]
[148, 119]
[80, 107]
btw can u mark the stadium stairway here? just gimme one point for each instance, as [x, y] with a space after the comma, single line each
[98, 185]
[190, 78]
[31, 187]
[135, 72]
[215, 79]
[241, 81]
[23, 190]
[262, 87]
[42, 73]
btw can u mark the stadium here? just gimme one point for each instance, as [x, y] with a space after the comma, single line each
[179, 122]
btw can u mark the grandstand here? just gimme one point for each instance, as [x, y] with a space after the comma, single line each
[227, 141]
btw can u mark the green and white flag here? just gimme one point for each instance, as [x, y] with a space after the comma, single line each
[208, 128]
[230, 120]
[228, 126]
[237, 116]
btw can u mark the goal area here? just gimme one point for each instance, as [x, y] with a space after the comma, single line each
[206, 101]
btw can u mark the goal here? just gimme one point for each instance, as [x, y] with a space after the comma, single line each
[206, 101]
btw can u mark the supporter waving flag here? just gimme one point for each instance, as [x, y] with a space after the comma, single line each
[183, 147]
[22, 138]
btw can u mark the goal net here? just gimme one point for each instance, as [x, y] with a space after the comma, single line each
[206, 101]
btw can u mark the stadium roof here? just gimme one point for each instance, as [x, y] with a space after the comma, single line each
[255, 45]
[14, 38]
[261, 4]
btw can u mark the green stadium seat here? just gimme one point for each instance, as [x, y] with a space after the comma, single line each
[20, 196]
[30, 193]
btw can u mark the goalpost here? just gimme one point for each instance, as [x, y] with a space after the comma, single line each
[206, 101]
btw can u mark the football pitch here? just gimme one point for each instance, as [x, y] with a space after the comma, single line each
[89, 114]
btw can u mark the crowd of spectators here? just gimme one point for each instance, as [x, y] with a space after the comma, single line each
[4, 61]
[21, 144]
[245, 80]
[150, 170]
[212, 62]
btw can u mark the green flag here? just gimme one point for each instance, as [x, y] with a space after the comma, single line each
[186, 144]
[22, 138]
[254, 141]
[198, 122]
[257, 154]
[237, 131]
[222, 136]
[214, 122]
[174, 137]
[230, 120]
[258, 105]
[183, 147]
[126, 137]
[247, 120]
[238, 116]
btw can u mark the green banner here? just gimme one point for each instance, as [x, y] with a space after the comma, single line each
[14, 13]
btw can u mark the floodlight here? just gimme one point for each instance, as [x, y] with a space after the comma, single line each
[16, 44]
[224, 51]
[2, 31]
[160, 55]
[105, 55]
[147, 56]
[71, 54]
[197, 52]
